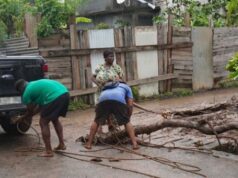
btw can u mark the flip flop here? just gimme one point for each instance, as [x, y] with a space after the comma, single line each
[136, 147]
[88, 147]
[60, 148]
[46, 155]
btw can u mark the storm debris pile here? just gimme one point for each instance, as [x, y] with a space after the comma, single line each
[212, 119]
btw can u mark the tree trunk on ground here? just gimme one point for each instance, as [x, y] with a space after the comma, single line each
[210, 120]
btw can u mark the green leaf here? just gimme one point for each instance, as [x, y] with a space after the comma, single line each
[83, 20]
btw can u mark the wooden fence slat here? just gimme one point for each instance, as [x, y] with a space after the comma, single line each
[74, 43]
[78, 52]
[120, 57]
[131, 83]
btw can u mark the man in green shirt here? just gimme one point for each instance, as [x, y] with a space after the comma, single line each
[51, 98]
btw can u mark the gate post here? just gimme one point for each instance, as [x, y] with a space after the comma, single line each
[202, 77]
[30, 29]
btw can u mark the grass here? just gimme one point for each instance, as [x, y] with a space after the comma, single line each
[77, 104]
[228, 83]
[178, 92]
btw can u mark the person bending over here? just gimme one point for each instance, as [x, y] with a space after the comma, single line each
[119, 102]
[52, 99]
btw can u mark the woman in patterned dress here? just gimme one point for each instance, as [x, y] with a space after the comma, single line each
[107, 72]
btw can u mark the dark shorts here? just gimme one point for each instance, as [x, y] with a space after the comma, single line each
[106, 108]
[56, 108]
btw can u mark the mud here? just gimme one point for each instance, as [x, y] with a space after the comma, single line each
[18, 159]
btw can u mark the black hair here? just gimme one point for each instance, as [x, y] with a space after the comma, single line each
[20, 85]
[107, 52]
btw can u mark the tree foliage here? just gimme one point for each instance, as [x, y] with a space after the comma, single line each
[232, 13]
[200, 14]
[232, 67]
[3, 31]
[12, 16]
[54, 14]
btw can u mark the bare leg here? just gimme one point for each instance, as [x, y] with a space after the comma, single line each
[109, 122]
[59, 131]
[93, 130]
[131, 133]
[100, 131]
[45, 131]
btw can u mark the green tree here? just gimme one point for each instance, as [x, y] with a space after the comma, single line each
[232, 13]
[12, 15]
[200, 14]
[232, 67]
[3, 31]
[55, 14]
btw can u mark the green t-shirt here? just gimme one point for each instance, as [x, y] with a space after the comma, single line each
[42, 91]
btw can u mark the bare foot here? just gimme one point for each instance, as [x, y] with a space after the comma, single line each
[89, 147]
[60, 147]
[46, 154]
[135, 147]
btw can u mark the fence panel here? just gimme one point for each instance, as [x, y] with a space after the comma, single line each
[142, 52]
[147, 61]
[225, 45]
[182, 58]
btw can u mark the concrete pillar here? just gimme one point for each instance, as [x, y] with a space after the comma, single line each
[202, 58]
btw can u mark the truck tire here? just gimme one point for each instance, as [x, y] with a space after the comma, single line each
[15, 129]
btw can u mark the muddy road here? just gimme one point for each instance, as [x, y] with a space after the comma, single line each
[18, 155]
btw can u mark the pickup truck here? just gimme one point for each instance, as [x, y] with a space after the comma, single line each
[13, 68]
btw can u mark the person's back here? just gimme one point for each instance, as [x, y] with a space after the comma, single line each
[43, 91]
[117, 101]
[119, 93]
[51, 99]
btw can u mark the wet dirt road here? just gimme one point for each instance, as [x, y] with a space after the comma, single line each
[17, 161]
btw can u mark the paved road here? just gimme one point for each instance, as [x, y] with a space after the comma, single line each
[14, 162]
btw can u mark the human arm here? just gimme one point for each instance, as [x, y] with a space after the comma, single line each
[119, 72]
[93, 78]
[32, 109]
[130, 106]
[95, 75]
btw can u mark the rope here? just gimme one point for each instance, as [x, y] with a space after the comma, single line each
[174, 164]
[213, 130]
[207, 151]
[101, 157]
[27, 124]
[110, 166]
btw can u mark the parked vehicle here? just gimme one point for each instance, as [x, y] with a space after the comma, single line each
[13, 68]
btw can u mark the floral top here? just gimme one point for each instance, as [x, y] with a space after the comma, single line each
[104, 75]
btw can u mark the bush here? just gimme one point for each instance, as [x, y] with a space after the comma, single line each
[3, 31]
[102, 26]
[178, 92]
[232, 67]
[78, 104]
[44, 28]
[135, 92]
[230, 83]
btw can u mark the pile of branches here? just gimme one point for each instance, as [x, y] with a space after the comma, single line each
[211, 120]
